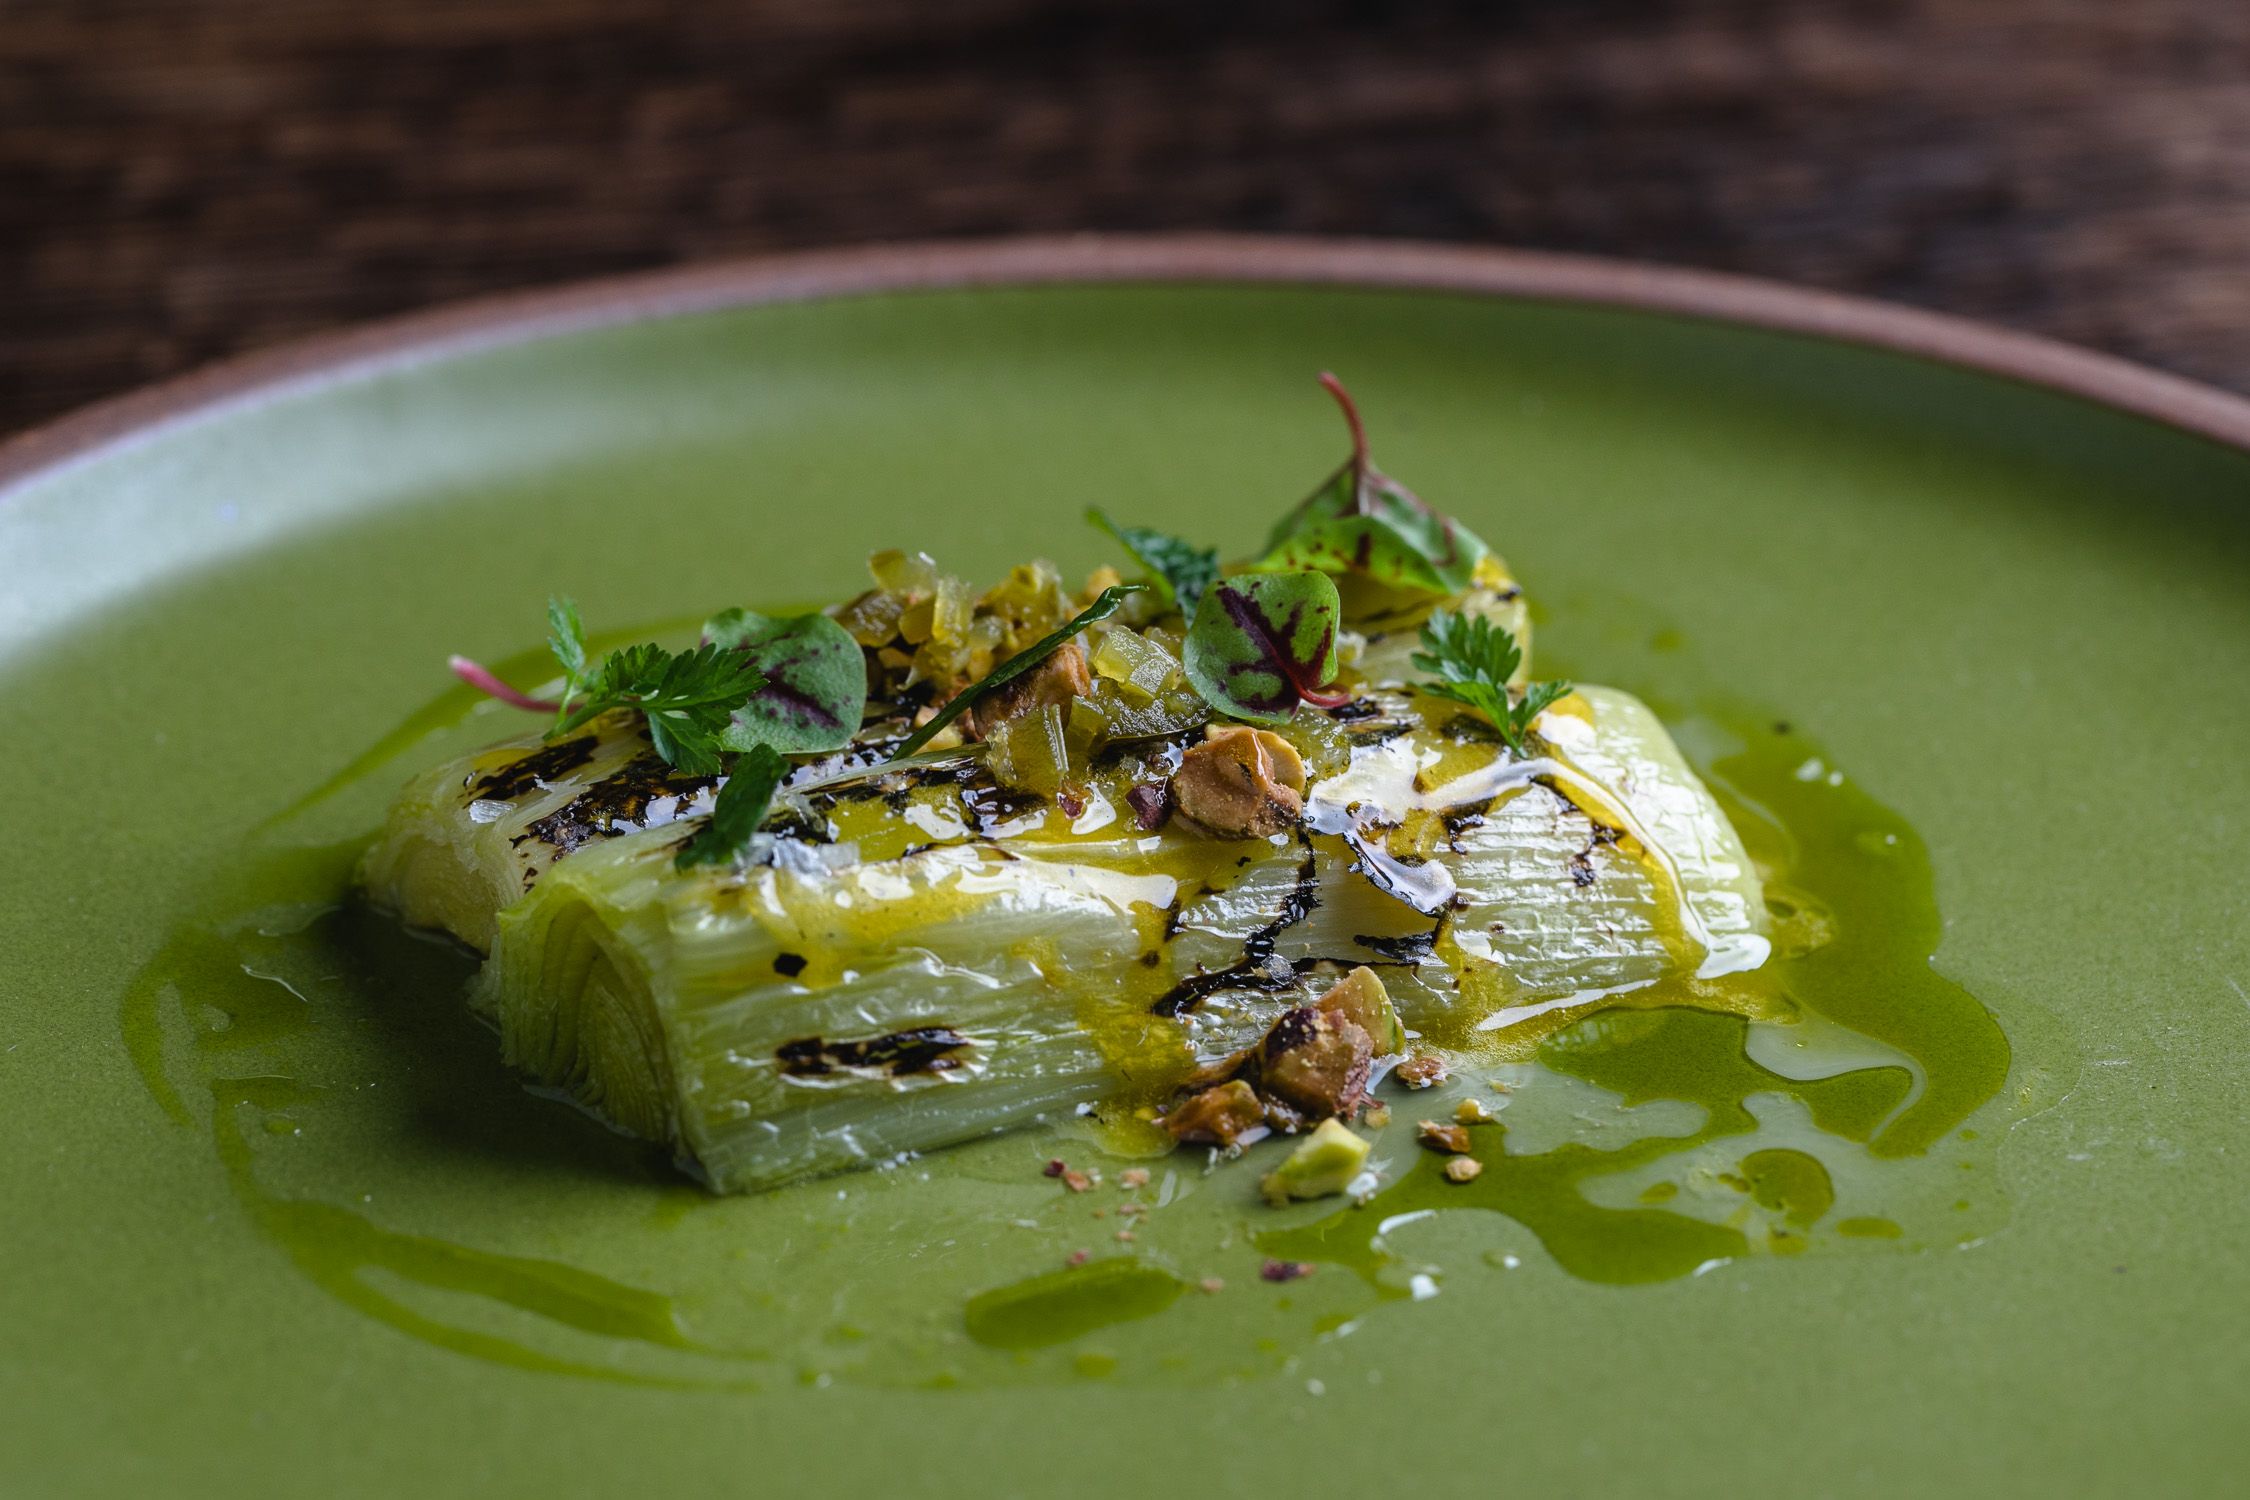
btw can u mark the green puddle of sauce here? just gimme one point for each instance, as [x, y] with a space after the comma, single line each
[1042, 1311]
[335, 1050]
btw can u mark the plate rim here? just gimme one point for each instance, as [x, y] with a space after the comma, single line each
[500, 319]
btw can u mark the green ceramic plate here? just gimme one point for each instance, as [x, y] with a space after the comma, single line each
[319, 1243]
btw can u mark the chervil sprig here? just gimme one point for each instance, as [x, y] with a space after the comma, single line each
[1471, 660]
[688, 698]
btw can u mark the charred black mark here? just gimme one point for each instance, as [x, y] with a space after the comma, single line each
[1581, 864]
[532, 770]
[1411, 949]
[923, 1049]
[993, 806]
[616, 804]
[1471, 729]
[1261, 968]
[1356, 709]
[1266, 973]
[789, 965]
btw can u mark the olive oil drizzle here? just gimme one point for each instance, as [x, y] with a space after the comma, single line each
[220, 994]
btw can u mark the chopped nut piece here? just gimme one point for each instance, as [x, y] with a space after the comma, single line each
[1359, 997]
[1284, 1270]
[1128, 1210]
[1212, 1284]
[1125, 1236]
[1323, 1165]
[1421, 1070]
[1220, 1115]
[1453, 1140]
[1472, 1112]
[1133, 1177]
[1463, 1169]
[1151, 802]
[1316, 1061]
[1077, 1182]
[1378, 1115]
[1053, 683]
[1240, 783]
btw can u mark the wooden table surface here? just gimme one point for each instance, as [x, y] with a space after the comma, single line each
[179, 181]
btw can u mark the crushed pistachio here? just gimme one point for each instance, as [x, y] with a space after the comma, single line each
[1452, 1140]
[1077, 1182]
[1463, 1169]
[1323, 1165]
[1133, 1177]
[1472, 1112]
[1422, 1070]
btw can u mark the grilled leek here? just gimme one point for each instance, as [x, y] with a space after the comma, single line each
[1221, 897]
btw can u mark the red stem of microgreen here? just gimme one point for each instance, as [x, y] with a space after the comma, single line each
[482, 679]
[1335, 388]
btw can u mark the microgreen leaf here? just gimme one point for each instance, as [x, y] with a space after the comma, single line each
[1181, 572]
[738, 811]
[688, 698]
[1264, 642]
[566, 637]
[815, 689]
[1362, 520]
[1473, 660]
[1015, 666]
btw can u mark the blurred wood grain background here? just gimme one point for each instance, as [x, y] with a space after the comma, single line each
[183, 179]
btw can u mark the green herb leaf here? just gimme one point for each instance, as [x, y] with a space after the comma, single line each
[1362, 520]
[566, 637]
[1264, 642]
[739, 810]
[688, 698]
[1181, 572]
[1015, 666]
[1473, 659]
[815, 689]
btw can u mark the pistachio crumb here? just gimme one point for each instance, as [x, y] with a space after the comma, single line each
[1421, 1070]
[1463, 1169]
[1472, 1112]
[1452, 1140]
[1212, 1284]
[1378, 1115]
[1133, 1177]
[1125, 1236]
[1077, 1182]
[1128, 1210]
